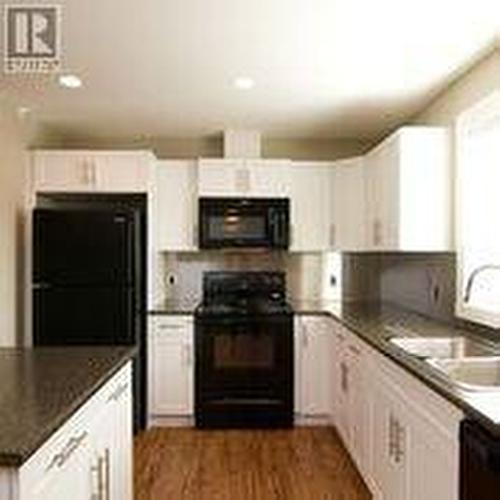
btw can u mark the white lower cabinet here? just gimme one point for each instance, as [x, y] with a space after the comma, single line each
[350, 388]
[90, 456]
[313, 367]
[403, 437]
[171, 366]
[415, 449]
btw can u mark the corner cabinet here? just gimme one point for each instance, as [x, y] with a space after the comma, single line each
[89, 456]
[244, 178]
[171, 366]
[91, 171]
[408, 192]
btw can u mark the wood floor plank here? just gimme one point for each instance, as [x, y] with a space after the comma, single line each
[298, 464]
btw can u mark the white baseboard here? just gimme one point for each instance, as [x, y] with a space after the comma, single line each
[313, 421]
[170, 421]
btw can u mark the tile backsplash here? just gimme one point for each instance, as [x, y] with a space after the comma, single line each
[422, 282]
[308, 274]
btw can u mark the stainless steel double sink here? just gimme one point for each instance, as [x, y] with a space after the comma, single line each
[468, 363]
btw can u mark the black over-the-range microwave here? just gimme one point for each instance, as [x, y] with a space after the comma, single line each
[244, 223]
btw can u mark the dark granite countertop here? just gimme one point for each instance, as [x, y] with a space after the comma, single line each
[41, 388]
[184, 306]
[374, 323]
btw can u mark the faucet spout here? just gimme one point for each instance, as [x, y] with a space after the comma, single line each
[474, 274]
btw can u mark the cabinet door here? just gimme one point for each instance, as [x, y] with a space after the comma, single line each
[171, 359]
[340, 405]
[75, 475]
[310, 207]
[391, 443]
[223, 178]
[358, 400]
[122, 172]
[434, 461]
[60, 171]
[373, 200]
[269, 178]
[121, 441]
[175, 209]
[348, 225]
[316, 367]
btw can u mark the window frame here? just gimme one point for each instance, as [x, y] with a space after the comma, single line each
[476, 116]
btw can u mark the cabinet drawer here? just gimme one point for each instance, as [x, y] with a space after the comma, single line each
[171, 325]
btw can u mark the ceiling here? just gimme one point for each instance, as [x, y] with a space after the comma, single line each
[322, 68]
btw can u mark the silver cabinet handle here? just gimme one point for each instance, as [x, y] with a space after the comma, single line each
[94, 174]
[95, 472]
[305, 336]
[85, 171]
[118, 393]
[188, 354]
[171, 327]
[106, 475]
[344, 377]
[59, 459]
[354, 350]
[400, 443]
[242, 180]
[377, 232]
[392, 444]
[333, 235]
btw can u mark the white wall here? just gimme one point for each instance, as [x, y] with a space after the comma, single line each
[12, 184]
[477, 83]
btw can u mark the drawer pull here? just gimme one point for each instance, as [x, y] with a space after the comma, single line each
[118, 393]
[355, 350]
[71, 446]
[171, 327]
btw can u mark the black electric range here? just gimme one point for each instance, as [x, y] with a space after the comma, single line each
[244, 351]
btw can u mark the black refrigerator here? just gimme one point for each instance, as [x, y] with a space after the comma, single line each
[89, 281]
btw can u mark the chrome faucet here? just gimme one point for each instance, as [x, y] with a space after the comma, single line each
[473, 276]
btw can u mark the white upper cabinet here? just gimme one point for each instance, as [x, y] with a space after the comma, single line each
[310, 206]
[408, 192]
[92, 171]
[244, 178]
[347, 205]
[175, 206]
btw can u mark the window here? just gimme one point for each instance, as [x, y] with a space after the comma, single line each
[478, 213]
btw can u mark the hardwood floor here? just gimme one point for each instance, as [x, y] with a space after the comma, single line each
[300, 464]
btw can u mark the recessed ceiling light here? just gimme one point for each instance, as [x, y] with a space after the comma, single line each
[23, 111]
[244, 83]
[70, 81]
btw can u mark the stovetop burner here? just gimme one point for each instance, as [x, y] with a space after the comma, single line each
[243, 294]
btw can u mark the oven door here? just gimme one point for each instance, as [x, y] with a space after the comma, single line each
[243, 223]
[245, 360]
